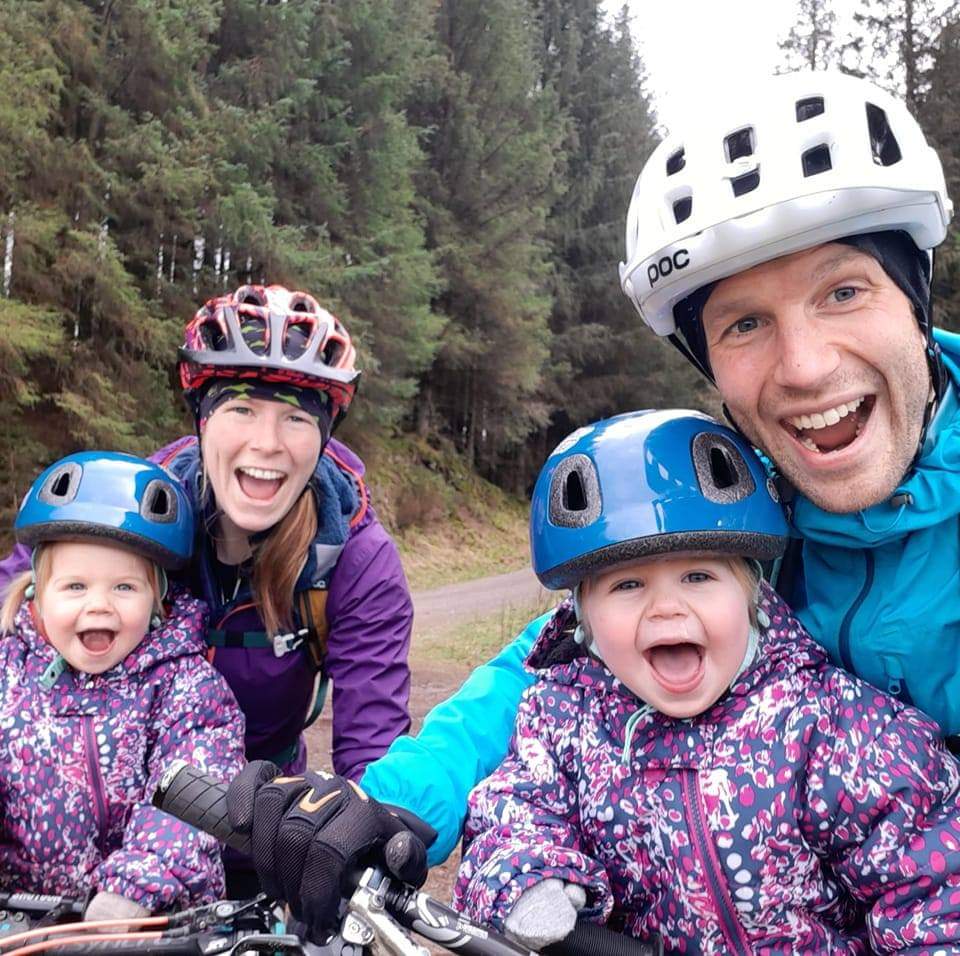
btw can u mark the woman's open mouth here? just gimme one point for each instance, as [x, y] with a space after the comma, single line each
[97, 642]
[677, 668]
[260, 484]
[831, 429]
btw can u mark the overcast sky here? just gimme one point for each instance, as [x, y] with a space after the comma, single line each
[689, 46]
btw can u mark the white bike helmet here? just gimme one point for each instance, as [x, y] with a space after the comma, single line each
[807, 159]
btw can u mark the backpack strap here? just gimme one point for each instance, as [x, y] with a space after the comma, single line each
[312, 606]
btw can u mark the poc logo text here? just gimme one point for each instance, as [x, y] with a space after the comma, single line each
[666, 264]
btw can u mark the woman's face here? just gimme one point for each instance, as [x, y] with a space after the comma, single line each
[259, 455]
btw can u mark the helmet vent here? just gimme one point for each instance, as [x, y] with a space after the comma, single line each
[723, 470]
[816, 160]
[61, 487]
[256, 333]
[723, 475]
[296, 337]
[739, 144]
[676, 161]
[332, 353]
[746, 183]
[574, 493]
[808, 108]
[883, 144]
[574, 497]
[159, 503]
[250, 295]
[213, 336]
[682, 209]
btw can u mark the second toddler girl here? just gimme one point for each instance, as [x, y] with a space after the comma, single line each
[689, 763]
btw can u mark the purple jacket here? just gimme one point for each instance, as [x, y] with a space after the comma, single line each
[80, 760]
[369, 613]
[805, 812]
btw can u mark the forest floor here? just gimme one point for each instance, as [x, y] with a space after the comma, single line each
[456, 627]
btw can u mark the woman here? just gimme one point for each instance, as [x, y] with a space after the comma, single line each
[304, 584]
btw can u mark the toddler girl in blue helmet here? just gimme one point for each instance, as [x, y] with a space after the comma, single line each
[103, 682]
[689, 763]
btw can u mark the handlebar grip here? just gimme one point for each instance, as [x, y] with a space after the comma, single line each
[200, 800]
[592, 939]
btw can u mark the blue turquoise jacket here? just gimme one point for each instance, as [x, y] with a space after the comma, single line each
[880, 589]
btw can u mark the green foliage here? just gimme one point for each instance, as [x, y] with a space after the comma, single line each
[450, 177]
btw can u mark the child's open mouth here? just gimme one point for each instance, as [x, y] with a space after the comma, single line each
[259, 483]
[831, 429]
[97, 642]
[678, 668]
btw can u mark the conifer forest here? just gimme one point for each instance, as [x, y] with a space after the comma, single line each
[450, 177]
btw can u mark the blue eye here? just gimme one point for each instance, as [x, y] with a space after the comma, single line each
[844, 293]
[125, 587]
[697, 577]
[75, 586]
[630, 585]
[745, 325]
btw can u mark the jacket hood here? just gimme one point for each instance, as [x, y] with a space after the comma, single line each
[179, 635]
[931, 489]
[784, 647]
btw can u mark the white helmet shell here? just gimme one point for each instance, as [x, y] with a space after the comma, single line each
[810, 158]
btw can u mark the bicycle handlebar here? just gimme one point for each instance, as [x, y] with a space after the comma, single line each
[200, 800]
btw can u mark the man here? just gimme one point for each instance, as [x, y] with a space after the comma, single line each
[782, 245]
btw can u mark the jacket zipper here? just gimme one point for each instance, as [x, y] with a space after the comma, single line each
[844, 641]
[96, 781]
[703, 846]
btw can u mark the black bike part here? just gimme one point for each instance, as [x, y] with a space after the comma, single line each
[592, 939]
[200, 800]
[446, 927]
[207, 943]
[41, 904]
[166, 947]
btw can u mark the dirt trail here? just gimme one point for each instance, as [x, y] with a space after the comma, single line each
[433, 682]
[476, 598]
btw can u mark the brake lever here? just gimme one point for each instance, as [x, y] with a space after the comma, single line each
[367, 922]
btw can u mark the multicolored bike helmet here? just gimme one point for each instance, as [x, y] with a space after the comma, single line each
[646, 483]
[274, 335]
[807, 158]
[112, 497]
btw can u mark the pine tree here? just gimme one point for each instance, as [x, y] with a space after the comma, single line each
[494, 140]
[812, 43]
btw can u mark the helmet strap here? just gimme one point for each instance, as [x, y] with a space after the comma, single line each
[678, 343]
[30, 592]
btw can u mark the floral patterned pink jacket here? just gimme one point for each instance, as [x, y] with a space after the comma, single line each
[806, 812]
[81, 755]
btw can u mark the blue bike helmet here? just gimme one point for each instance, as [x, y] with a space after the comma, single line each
[645, 483]
[111, 496]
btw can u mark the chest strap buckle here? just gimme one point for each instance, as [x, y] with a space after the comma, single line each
[284, 643]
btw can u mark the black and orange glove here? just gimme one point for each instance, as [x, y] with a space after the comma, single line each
[311, 833]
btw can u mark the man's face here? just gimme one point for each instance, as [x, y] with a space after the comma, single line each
[821, 363]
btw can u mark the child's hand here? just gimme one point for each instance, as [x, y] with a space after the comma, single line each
[545, 913]
[112, 906]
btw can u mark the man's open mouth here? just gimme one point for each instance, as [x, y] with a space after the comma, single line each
[831, 429]
[259, 483]
[678, 667]
[97, 641]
